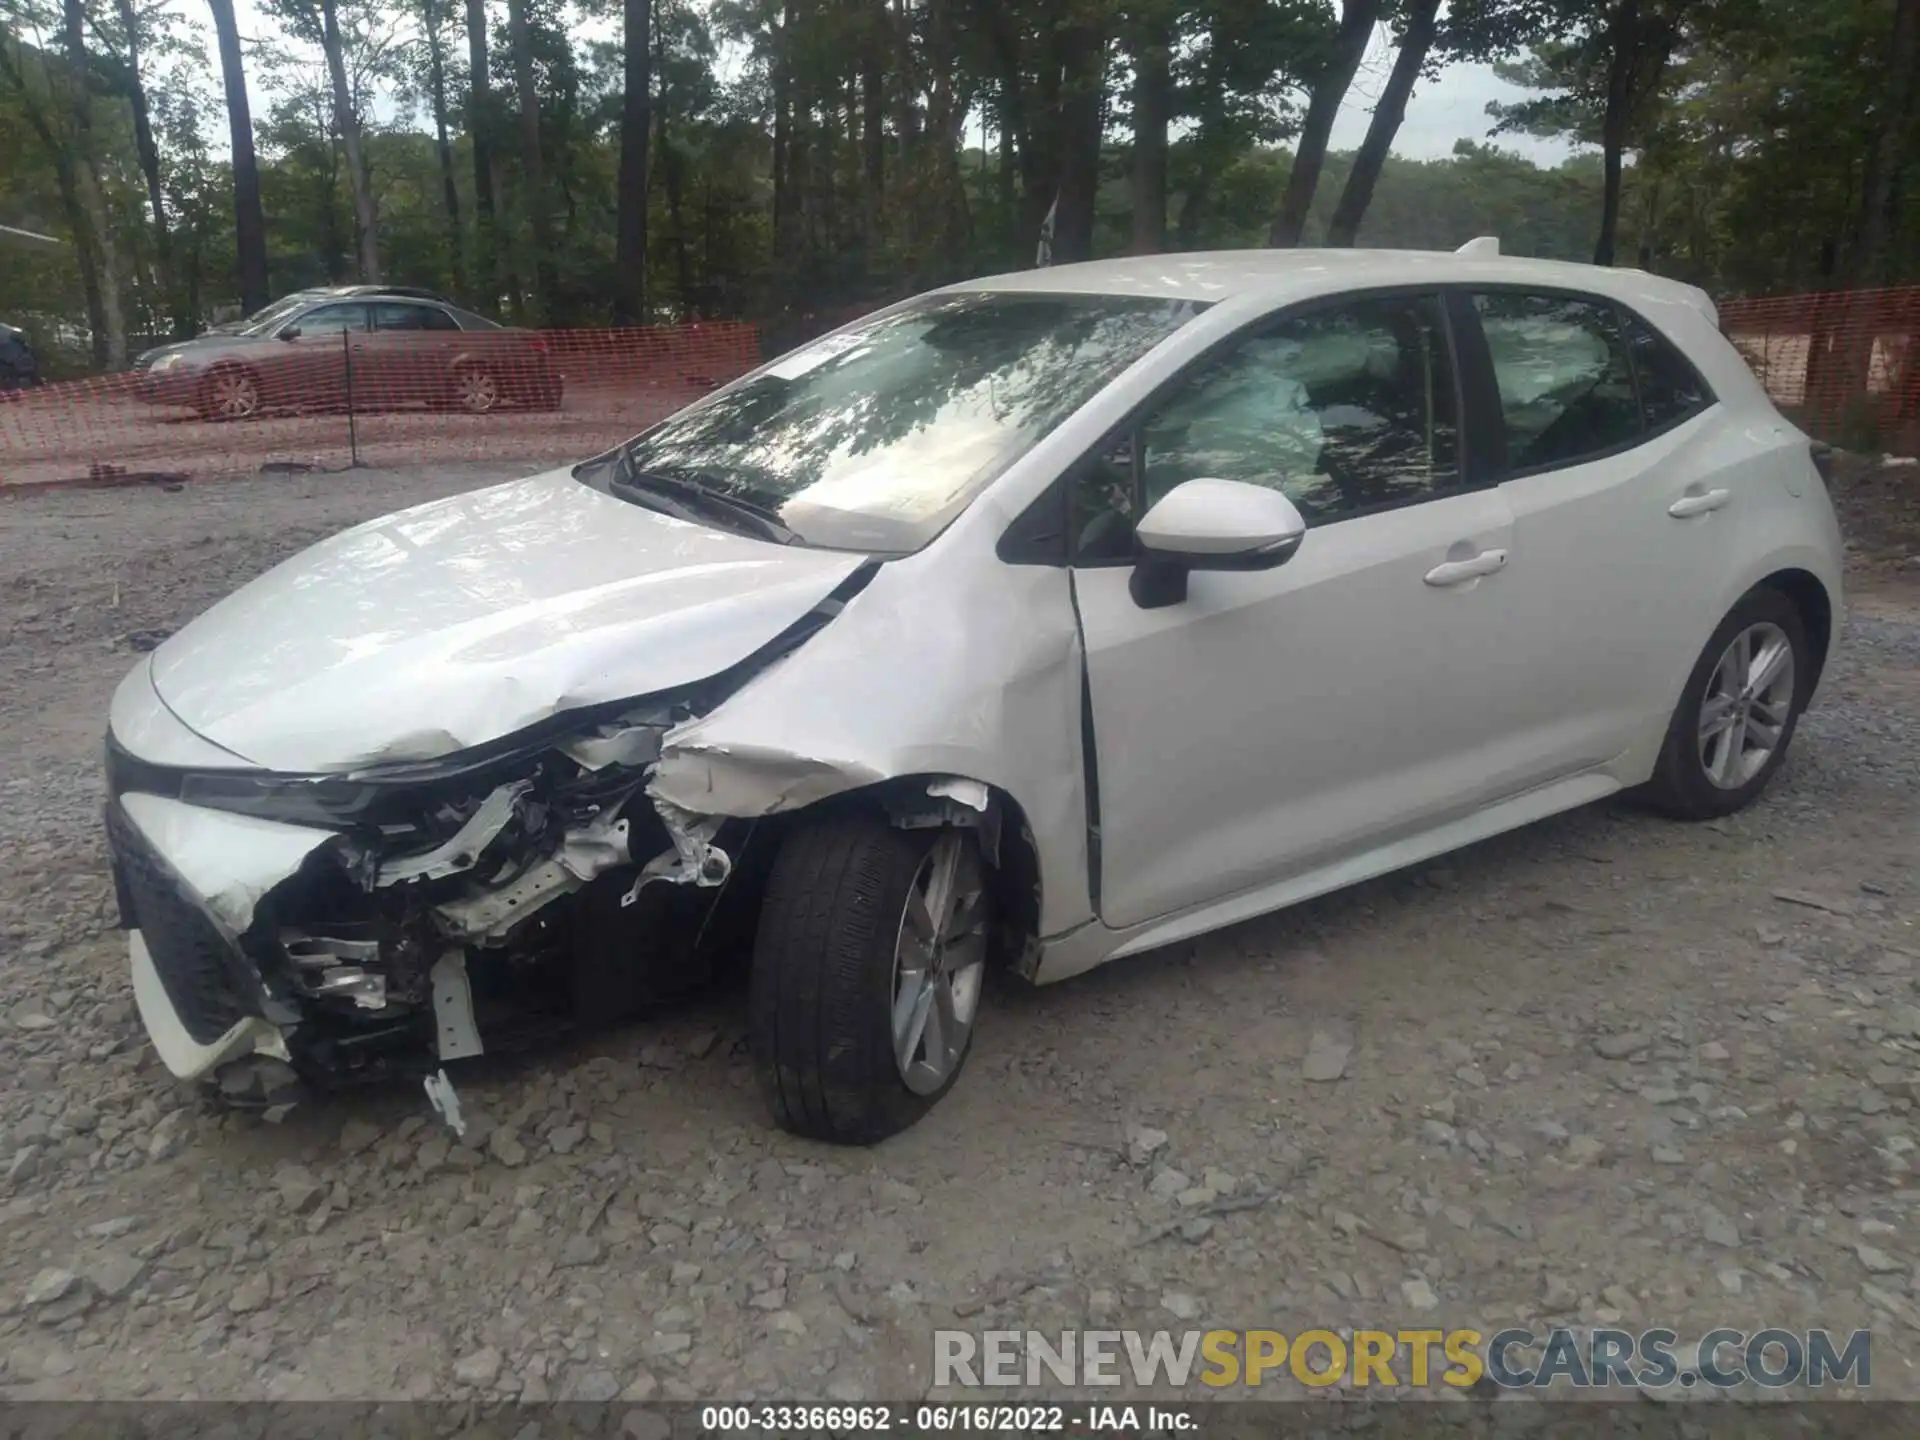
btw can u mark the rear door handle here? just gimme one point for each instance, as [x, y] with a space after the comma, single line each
[1458, 572]
[1690, 505]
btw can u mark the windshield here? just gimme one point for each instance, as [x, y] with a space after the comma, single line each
[874, 438]
[262, 321]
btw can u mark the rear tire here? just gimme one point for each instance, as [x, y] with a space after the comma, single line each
[1729, 734]
[841, 970]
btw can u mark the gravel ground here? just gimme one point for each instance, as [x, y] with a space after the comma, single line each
[1608, 1069]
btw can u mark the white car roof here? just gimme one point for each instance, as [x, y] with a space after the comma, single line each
[1279, 274]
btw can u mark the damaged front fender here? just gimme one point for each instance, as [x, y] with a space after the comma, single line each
[987, 687]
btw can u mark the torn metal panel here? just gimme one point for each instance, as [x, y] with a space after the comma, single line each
[584, 853]
[446, 1102]
[455, 1035]
[228, 861]
[464, 847]
[749, 780]
[970, 793]
[951, 800]
[458, 622]
[693, 859]
[984, 687]
[629, 746]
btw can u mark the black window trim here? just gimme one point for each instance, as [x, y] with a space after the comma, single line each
[1029, 539]
[1494, 436]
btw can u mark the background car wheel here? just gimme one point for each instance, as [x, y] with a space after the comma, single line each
[867, 973]
[230, 394]
[1738, 713]
[476, 389]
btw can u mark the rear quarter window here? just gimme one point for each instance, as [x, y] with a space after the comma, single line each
[1671, 390]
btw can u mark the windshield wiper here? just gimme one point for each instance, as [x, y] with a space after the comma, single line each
[693, 495]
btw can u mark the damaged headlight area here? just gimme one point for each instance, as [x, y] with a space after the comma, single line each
[324, 928]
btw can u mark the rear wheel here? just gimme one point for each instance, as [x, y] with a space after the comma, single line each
[867, 974]
[1738, 713]
[230, 393]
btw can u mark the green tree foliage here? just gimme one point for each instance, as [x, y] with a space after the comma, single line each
[795, 159]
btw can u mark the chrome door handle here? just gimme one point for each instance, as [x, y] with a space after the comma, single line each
[1689, 505]
[1458, 572]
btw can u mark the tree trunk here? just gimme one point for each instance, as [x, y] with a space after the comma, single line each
[449, 190]
[873, 146]
[1330, 86]
[630, 245]
[1193, 207]
[1152, 108]
[1388, 112]
[673, 174]
[1623, 40]
[249, 223]
[148, 153]
[60, 156]
[1886, 160]
[532, 163]
[1083, 75]
[110, 336]
[782, 146]
[1840, 365]
[486, 262]
[347, 119]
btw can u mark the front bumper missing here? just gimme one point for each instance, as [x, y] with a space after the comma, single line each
[234, 956]
[203, 999]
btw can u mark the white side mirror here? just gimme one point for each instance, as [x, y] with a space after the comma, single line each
[1212, 525]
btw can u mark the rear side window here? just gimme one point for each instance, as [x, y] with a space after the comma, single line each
[1564, 375]
[412, 317]
[1671, 390]
[333, 320]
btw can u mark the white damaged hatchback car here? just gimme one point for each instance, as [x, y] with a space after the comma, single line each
[1028, 623]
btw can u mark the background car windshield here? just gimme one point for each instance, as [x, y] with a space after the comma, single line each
[874, 439]
[262, 321]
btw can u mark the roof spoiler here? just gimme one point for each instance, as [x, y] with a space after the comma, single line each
[1481, 247]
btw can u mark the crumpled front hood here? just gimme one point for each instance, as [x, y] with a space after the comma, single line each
[460, 621]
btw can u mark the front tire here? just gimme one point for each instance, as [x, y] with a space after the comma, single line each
[867, 974]
[476, 389]
[1738, 713]
[229, 393]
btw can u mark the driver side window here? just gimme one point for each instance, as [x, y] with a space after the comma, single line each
[1346, 410]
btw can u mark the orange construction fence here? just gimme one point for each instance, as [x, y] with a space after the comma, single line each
[325, 401]
[1841, 363]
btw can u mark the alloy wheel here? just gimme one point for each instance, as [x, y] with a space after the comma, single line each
[479, 392]
[939, 965]
[234, 394]
[1748, 702]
